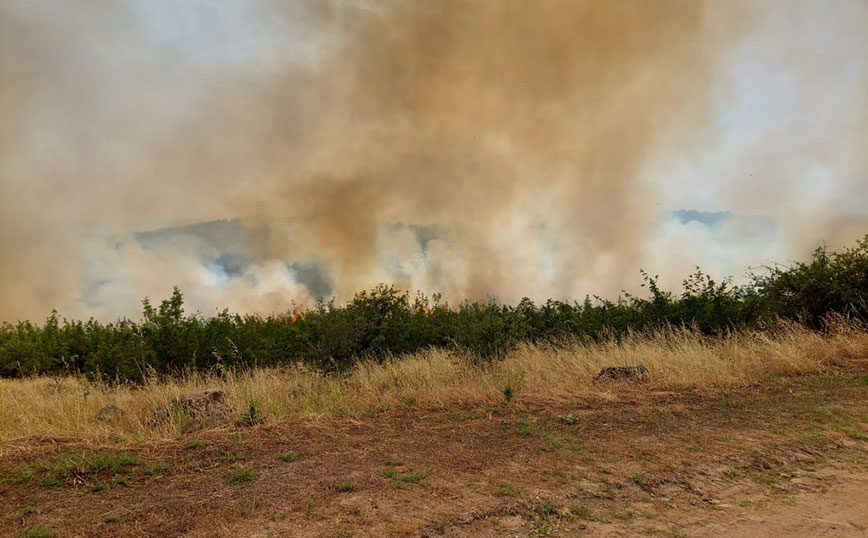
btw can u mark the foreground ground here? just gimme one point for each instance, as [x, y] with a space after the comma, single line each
[787, 457]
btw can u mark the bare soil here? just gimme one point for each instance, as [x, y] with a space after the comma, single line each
[785, 458]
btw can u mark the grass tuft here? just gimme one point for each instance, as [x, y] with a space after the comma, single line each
[24, 475]
[288, 456]
[161, 467]
[506, 489]
[37, 532]
[412, 478]
[241, 476]
[582, 512]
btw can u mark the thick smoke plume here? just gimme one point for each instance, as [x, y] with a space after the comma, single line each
[472, 148]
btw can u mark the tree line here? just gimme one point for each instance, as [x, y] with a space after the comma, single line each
[385, 322]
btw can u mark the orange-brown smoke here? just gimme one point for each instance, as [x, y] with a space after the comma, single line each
[519, 130]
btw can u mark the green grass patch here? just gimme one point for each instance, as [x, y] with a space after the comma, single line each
[229, 458]
[49, 482]
[550, 442]
[465, 417]
[582, 512]
[858, 379]
[348, 486]
[547, 509]
[160, 467]
[95, 463]
[37, 532]
[195, 445]
[114, 518]
[766, 479]
[413, 478]
[639, 480]
[574, 444]
[288, 456]
[505, 489]
[389, 473]
[241, 476]
[23, 475]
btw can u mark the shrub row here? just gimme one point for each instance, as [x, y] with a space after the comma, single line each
[385, 322]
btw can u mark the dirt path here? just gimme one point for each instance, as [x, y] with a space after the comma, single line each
[786, 459]
[840, 512]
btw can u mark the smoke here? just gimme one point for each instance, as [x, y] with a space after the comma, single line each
[473, 148]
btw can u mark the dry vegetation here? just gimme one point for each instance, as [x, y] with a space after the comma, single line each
[435, 379]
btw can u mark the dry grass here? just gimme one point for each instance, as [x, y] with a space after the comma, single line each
[67, 406]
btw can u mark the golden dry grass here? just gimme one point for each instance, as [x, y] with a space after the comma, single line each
[676, 358]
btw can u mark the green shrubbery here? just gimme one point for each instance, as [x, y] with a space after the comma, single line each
[385, 322]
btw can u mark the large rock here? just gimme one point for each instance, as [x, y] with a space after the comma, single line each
[198, 410]
[109, 413]
[622, 373]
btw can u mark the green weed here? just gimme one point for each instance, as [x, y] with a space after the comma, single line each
[37, 532]
[23, 476]
[582, 512]
[251, 417]
[412, 478]
[161, 467]
[241, 476]
[49, 482]
[507, 490]
[570, 419]
[288, 456]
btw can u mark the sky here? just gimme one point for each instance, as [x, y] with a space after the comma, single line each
[261, 154]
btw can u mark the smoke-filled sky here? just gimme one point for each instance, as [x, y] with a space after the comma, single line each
[259, 152]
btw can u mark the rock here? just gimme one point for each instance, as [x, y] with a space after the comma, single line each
[205, 409]
[622, 373]
[109, 412]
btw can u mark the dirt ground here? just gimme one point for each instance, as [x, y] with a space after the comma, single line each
[786, 458]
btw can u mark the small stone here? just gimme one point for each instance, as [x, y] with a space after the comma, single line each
[109, 412]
